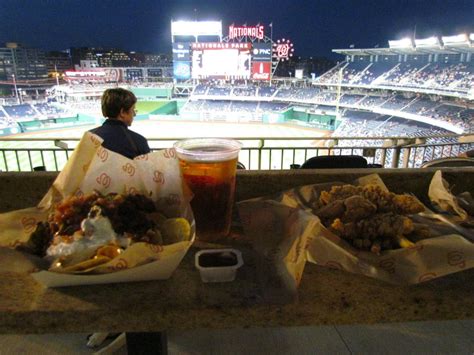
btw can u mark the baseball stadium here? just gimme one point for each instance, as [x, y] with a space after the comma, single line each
[401, 106]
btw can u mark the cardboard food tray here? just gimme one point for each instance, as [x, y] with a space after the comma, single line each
[429, 258]
[156, 270]
[94, 168]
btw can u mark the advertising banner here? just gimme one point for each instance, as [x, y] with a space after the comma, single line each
[181, 52]
[182, 70]
[261, 70]
[262, 52]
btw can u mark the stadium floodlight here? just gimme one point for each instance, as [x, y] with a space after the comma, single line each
[458, 39]
[471, 37]
[428, 42]
[196, 28]
[401, 43]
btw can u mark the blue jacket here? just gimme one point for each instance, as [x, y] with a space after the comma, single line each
[118, 138]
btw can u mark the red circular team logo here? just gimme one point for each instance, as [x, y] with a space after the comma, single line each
[29, 224]
[129, 169]
[95, 141]
[103, 154]
[132, 191]
[283, 49]
[142, 157]
[158, 177]
[456, 258]
[155, 248]
[121, 264]
[169, 153]
[104, 180]
[388, 265]
[427, 277]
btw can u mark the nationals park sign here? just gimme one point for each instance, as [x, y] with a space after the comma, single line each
[246, 31]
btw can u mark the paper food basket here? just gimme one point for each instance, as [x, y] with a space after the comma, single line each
[90, 168]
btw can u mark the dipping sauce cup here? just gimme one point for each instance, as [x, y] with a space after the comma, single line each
[208, 167]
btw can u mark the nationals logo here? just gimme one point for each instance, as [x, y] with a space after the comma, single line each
[170, 153]
[158, 177]
[129, 169]
[120, 265]
[142, 157]
[132, 190]
[103, 154]
[283, 49]
[104, 180]
[29, 224]
[388, 265]
[426, 277]
[456, 258]
[155, 248]
[95, 141]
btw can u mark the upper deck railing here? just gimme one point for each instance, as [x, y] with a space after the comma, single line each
[266, 153]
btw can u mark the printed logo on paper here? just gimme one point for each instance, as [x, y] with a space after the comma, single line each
[155, 248]
[103, 154]
[129, 169]
[426, 277]
[142, 157]
[104, 180]
[170, 153]
[158, 177]
[132, 190]
[29, 224]
[388, 265]
[456, 258]
[120, 265]
[95, 141]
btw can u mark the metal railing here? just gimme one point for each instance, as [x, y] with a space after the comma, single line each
[270, 153]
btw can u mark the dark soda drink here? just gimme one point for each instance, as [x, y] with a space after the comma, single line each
[208, 170]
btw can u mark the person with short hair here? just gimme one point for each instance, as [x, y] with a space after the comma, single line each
[467, 154]
[118, 106]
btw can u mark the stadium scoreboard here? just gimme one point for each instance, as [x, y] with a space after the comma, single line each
[246, 53]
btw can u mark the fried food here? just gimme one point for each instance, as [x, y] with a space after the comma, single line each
[81, 223]
[369, 217]
[383, 200]
[86, 264]
[383, 225]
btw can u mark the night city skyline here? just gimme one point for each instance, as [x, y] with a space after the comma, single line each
[315, 27]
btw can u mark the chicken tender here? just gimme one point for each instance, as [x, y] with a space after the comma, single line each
[384, 201]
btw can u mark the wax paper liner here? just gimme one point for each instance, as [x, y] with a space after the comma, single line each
[92, 167]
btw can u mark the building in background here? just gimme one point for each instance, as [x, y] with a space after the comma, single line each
[57, 62]
[106, 57]
[22, 62]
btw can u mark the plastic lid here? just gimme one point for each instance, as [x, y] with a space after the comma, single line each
[207, 149]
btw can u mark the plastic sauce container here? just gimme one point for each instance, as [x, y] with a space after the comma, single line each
[218, 265]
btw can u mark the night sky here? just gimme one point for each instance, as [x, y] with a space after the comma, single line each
[314, 26]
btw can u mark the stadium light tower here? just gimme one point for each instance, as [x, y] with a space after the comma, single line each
[16, 89]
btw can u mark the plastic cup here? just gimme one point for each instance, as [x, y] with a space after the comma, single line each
[208, 167]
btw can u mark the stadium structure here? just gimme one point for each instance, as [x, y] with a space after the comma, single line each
[398, 106]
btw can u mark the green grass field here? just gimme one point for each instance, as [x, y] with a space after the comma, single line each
[36, 153]
[145, 107]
